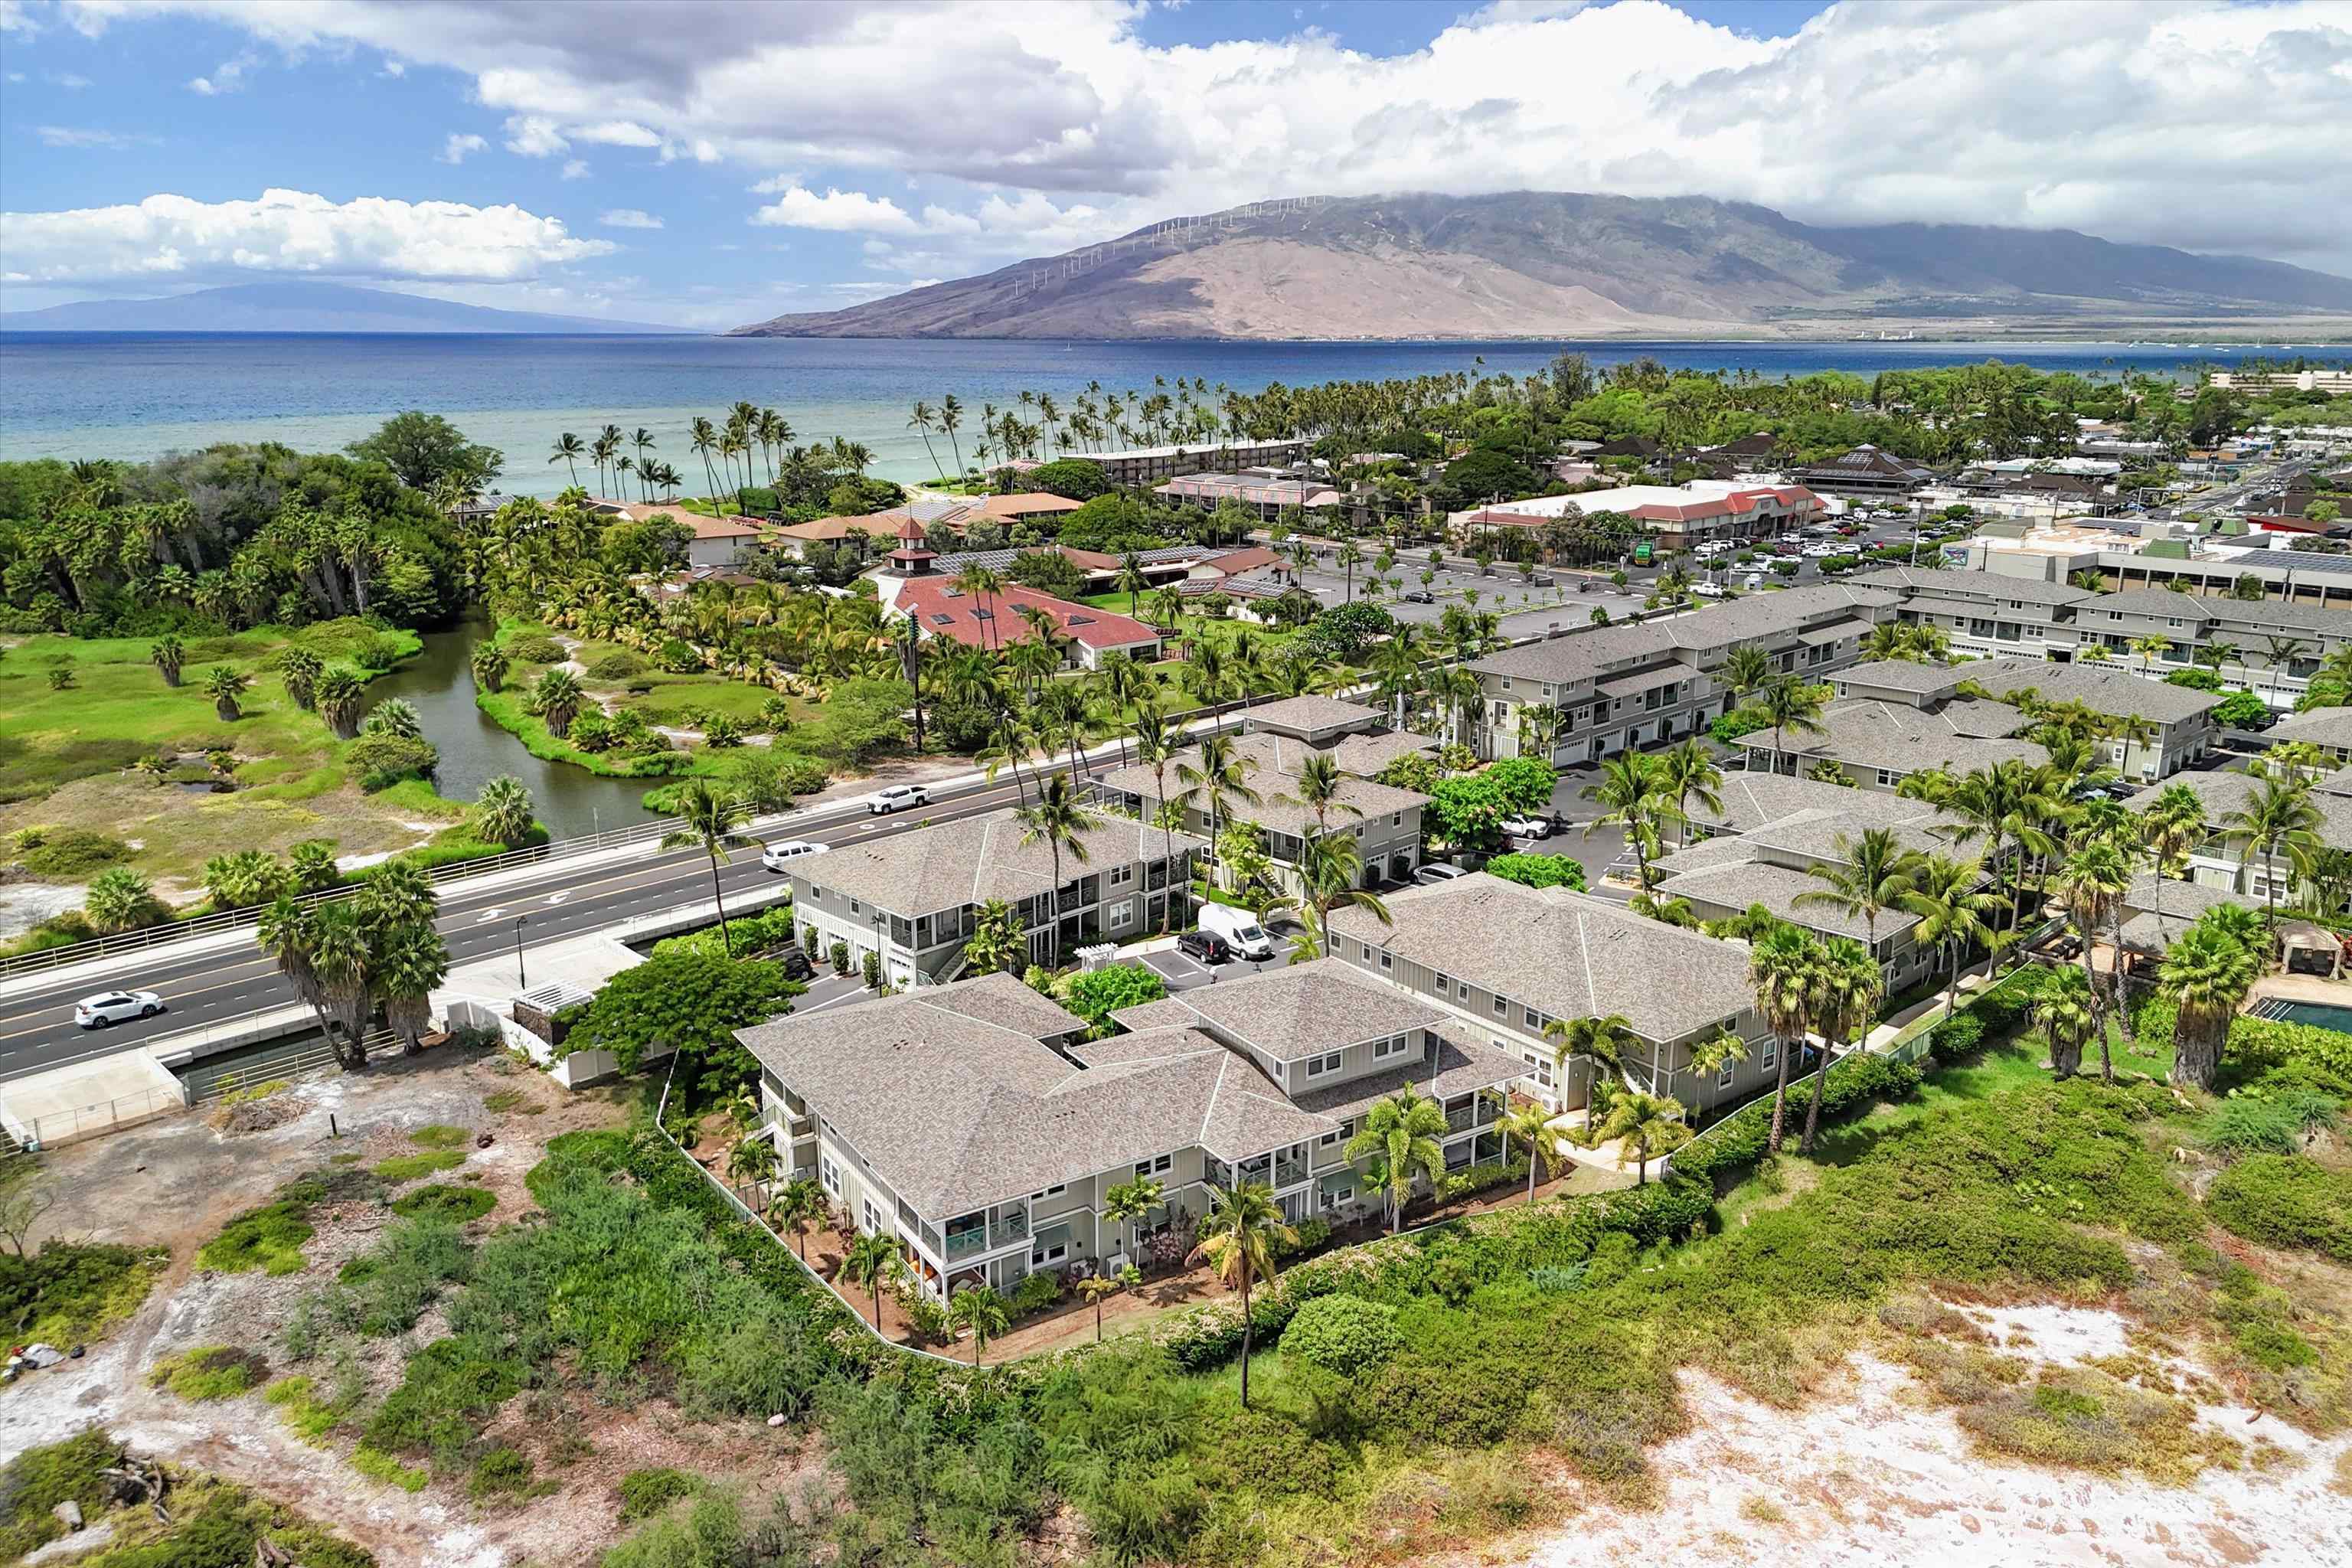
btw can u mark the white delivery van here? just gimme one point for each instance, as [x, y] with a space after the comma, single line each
[1239, 928]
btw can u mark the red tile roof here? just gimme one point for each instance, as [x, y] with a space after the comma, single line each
[942, 610]
[1247, 560]
[1739, 503]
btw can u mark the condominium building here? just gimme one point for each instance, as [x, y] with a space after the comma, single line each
[973, 1123]
[1603, 689]
[914, 898]
[1678, 516]
[2271, 648]
[1148, 465]
[1505, 961]
[1981, 613]
[2233, 864]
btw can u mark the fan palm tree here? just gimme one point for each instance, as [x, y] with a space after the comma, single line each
[167, 652]
[503, 812]
[2065, 1013]
[394, 716]
[1947, 896]
[2206, 975]
[1644, 1127]
[1060, 822]
[1404, 1132]
[1219, 775]
[412, 963]
[872, 1260]
[1237, 1238]
[1784, 965]
[1869, 877]
[490, 665]
[225, 685]
[708, 816]
[2278, 818]
[1688, 773]
[1528, 1125]
[557, 698]
[568, 451]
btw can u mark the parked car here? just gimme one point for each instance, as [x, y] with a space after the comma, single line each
[1418, 596]
[784, 851]
[110, 1007]
[1524, 826]
[896, 798]
[1708, 590]
[1238, 927]
[1436, 871]
[1204, 947]
[795, 962]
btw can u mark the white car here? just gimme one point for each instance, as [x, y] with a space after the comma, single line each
[785, 850]
[1524, 826]
[1436, 871]
[897, 797]
[113, 1007]
[1708, 590]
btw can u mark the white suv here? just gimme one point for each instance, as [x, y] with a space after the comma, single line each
[776, 856]
[113, 1007]
[897, 797]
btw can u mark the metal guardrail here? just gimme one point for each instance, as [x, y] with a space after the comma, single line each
[382, 1043]
[88, 1121]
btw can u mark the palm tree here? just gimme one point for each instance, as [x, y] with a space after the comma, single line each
[1132, 580]
[299, 669]
[1237, 1238]
[569, 451]
[2149, 649]
[1947, 896]
[984, 585]
[708, 816]
[1127, 1203]
[1868, 878]
[983, 1312]
[2094, 881]
[556, 696]
[2172, 828]
[2277, 819]
[1060, 822]
[2066, 1016]
[1528, 1125]
[871, 1261]
[2004, 803]
[1784, 966]
[1329, 866]
[799, 1205]
[122, 898]
[490, 665]
[950, 419]
[1404, 1132]
[1645, 1125]
[1608, 1042]
[752, 1158]
[395, 716]
[1633, 786]
[1320, 784]
[1221, 775]
[922, 420]
[412, 964]
[503, 812]
[1746, 669]
[2206, 975]
[225, 685]
[1687, 773]
[167, 652]
[1095, 1287]
[1852, 986]
[1788, 704]
[288, 933]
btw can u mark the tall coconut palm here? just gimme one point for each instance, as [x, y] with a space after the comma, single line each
[502, 815]
[1218, 774]
[708, 816]
[569, 451]
[1607, 1042]
[1058, 822]
[1688, 773]
[225, 685]
[1237, 1238]
[1643, 1126]
[1320, 784]
[1404, 1134]
[1851, 987]
[1784, 967]
[1788, 704]
[2149, 649]
[1329, 867]
[2206, 975]
[1869, 877]
[2094, 881]
[1528, 1125]
[2278, 818]
[1633, 787]
[1132, 580]
[2006, 805]
[986, 587]
[167, 652]
[1744, 669]
[951, 420]
[1953, 910]
[2171, 829]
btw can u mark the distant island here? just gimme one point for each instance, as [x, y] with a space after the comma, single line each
[1557, 265]
[301, 307]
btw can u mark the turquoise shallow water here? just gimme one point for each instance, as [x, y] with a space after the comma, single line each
[135, 395]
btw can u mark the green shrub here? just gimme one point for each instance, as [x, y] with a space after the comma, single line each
[2268, 1051]
[1344, 1335]
[1035, 1292]
[73, 854]
[385, 1290]
[1854, 1083]
[1471, 1179]
[440, 1135]
[209, 1372]
[2256, 1123]
[645, 1493]
[1539, 870]
[536, 650]
[456, 1205]
[1097, 994]
[37, 1479]
[447, 1386]
[499, 1472]
[268, 1239]
[381, 761]
[409, 1167]
[382, 1467]
[73, 1292]
[618, 665]
[2287, 1200]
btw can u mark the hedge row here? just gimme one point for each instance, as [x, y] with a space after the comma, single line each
[1854, 1082]
[2302, 1054]
[1448, 1260]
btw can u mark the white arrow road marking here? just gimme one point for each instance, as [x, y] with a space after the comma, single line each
[487, 916]
[555, 898]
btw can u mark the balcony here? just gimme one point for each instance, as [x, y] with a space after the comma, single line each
[964, 1244]
[1009, 1226]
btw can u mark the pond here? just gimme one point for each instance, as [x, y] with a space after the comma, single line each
[571, 801]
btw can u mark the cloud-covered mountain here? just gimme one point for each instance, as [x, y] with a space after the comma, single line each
[1550, 264]
[298, 307]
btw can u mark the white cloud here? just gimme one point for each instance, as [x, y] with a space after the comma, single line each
[14, 18]
[227, 76]
[83, 136]
[2121, 119]
[453, 150]
[848, 212]
[286, 233]
[71, 81]
[575, 169]
[534, 136]
[629, 217]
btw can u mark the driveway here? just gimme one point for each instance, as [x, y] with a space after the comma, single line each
[1183, 973]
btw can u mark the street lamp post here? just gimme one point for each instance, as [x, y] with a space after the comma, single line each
[522, 982]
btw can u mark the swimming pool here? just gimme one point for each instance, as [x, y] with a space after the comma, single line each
[2318, 1015]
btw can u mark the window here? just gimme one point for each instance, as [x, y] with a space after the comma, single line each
[1340, 1195]
[1053, 1191]
[1396, 819]
[1317, 1067]
[854, 908]
[1502, 1008]
[1040, 1257]
[1122, 876]
[1506, 680]
[1771, 1053]
[1540, 1064]
[873, 1219]
[1388, 961]
[1119, 915]
[828, 1174]
[1723, 1078]
[1155, 1167]
[1531, 1017]
[1395, 1045]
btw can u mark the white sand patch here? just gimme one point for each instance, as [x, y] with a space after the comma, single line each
[2063, 1335]
[1866, 1475]
[23, 905]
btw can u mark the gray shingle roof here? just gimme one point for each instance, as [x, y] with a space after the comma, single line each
[2119, 693]
[1311, 713]
[1873, 735]
[1585, 653]
[1751, 800]
[1903, 674]
[1462, 1061]
[2223, 793]
[1566, 955]
[2321, 727]
[979, 858]
[1305, 1009]
[1775, 887]
[1977, 587]
[1366, 755]
[1278, 760]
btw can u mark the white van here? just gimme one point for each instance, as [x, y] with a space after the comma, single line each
[1239, 928]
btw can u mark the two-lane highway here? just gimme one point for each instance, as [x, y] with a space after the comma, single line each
[38, 1031]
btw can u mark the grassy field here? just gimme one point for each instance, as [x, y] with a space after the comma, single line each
[64, 756]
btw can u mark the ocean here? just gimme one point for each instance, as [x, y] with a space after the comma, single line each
[132, 396]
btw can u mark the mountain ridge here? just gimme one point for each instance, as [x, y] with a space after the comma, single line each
[306, 307]
[1566, 264]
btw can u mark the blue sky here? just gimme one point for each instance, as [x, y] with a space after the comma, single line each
[808, 156]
